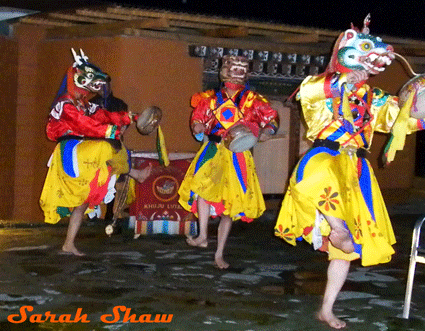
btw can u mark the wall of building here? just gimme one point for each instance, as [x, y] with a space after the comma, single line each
[29, 121]
[159, 72]
[8, 86]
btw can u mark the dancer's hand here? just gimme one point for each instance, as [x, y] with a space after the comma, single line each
[122, 130]
[357, 76]
[265, 134]
[140, 175]
[198, 128]
[145, 173]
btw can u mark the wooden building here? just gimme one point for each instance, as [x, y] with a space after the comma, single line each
[161, 58]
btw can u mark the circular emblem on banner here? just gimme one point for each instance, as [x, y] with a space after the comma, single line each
[165, 188]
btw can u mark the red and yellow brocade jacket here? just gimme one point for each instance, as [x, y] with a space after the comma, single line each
[84, 121]
[350, 117]
[219, 112]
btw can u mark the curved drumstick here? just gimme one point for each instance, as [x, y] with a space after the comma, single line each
[407, 64]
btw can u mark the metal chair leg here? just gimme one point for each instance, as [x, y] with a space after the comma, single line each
[414, 258]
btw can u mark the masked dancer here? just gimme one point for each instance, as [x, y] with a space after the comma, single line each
[221, 182]
[89, 154]
[333, 200]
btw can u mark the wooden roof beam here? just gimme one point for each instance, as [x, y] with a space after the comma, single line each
[109, 29]
[45, 22]
[197, 25]
[242, 32]
[297, 38]
[308, 48]
[106, 15]
[78, 18]
[124, 17]
[312, 36]
[219, 31]
[238, 32]
[219, 21]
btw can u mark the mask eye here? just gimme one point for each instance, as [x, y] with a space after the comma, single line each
[366, 46]
[90, 75]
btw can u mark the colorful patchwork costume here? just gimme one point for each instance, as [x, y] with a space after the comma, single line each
[334, 178]
[226, 180]
[89, 155]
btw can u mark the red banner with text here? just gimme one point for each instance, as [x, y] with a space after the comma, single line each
[156, 208]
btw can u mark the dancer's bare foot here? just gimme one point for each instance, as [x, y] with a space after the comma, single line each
[331, 320]
[140, 175]
[72, 250]
[220, 263]
[198, 242]
[340, 239]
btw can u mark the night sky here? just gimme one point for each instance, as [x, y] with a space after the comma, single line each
[391, 18]
[388, 17]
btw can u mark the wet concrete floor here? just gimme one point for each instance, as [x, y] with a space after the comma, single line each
[124, 283]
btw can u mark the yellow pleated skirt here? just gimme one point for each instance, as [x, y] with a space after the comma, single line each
[226, 180]
[342, 186]
[79, 172]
